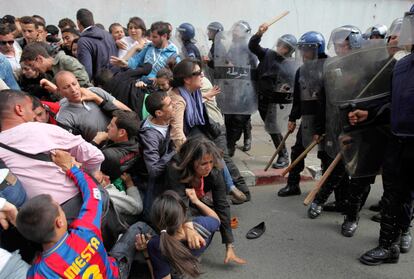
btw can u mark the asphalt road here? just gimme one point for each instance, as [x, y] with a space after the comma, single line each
[294, 246]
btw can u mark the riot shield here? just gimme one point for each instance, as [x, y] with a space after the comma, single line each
[355, 81]
[234, 73]
[310, 84]
[277, 118]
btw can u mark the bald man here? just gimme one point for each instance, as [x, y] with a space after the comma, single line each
[84, 111]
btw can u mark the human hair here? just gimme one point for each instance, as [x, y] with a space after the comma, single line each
[113, 25]
[36, 102]
[36, 219]
[168, 214]
[8, 99]
[66, 22]
[138, 22]
[127, 120]
[39, 19]
[103, 78]
[32, 50]
[85, 17]
[165, 73]
[192, 151]
[161, 28]
[71, 30]
[8, 19]
[29, 20]
[5, 29]
[75, 41]
[183, 70]
[52, 30]
[154, 102]
[100, 25]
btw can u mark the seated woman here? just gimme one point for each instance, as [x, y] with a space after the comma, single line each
[191, 115]
[177, 247]
[136, 40]
[198, 166]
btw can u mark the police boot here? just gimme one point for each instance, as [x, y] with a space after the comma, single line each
[283, 156]
[406, 239]
[289, 190]
[388, 250]
[350, 224]
[314, 210]
[247, 143]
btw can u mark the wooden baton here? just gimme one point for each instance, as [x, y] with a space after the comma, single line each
[279, 17]
[311, 196]
[277, 150]
[301, 156]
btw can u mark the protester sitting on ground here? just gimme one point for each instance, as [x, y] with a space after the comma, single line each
[135, 41]
[155, 53]
[163, 79]
[36, 56]
[156, 146]
[198, 165]
[68, 36]
[168, 254]
[117, 31]
[121, 144]
[45, 112]
[78, 251]
[84, 111]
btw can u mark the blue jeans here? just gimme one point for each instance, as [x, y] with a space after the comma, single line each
[14, 194]
[227, 178]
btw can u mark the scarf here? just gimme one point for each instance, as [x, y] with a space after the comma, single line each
[194, 109]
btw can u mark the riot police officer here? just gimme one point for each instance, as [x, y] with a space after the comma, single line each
[275, 78]
[187, 34]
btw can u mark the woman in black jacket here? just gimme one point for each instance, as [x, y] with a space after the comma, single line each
[198, 165]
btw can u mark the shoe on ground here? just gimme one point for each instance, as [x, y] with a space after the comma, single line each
[376, 218]
[314, 210]
[231, 150]
[380, 255]
[237, 196]
[349, 227]
[289, 190]
[405, 243]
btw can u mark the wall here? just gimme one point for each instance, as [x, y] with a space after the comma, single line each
[305, 15]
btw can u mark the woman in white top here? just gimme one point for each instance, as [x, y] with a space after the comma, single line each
[136, 40]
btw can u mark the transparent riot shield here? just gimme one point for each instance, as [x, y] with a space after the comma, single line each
[311, 88]
[234, 73]
[356, 81]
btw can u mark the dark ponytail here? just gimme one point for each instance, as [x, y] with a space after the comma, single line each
[169, 214]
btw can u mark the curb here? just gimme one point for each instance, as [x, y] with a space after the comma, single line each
[272, 176]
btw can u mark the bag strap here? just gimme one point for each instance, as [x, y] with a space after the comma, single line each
[41, 156]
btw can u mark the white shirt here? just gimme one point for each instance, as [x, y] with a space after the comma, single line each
[163, 129]
[4, 258]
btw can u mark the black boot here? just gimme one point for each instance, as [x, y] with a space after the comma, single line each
[289, 190]
[283, 156]
[376, 217]
[247, 131]
[388, 250]
[406, 239]
[314, 210]
[376, 207]
[350, 224]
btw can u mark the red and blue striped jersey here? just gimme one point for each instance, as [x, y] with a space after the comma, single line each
[80, 253]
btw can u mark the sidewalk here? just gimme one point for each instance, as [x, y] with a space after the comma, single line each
[252, 163]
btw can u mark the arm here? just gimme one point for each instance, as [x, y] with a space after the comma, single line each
[137, 59]
[177, 123]
[91, 210]
[154, 163]
[295, 113]
[8, 213]
[204, 209]
[103, 99]
[254, 46]
[85, 57]
[87, 154]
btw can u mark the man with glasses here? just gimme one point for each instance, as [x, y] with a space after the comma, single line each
[10, 48]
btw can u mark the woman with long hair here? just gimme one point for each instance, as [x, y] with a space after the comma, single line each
[198, 166]
[169, 252]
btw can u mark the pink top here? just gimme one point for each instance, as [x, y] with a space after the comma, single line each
[39, 177]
